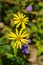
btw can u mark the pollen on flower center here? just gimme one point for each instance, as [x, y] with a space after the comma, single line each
[18, 38]
[21, 19]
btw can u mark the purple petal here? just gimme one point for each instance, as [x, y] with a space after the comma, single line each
[29, 8]
[29, 41]
[24, 46]
[25, 49]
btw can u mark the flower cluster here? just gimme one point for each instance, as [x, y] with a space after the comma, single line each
[21, 36]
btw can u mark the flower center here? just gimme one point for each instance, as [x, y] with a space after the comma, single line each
[21, 19]
[18, 38]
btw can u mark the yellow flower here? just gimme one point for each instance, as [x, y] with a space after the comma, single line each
[20, 19]
[19, 37]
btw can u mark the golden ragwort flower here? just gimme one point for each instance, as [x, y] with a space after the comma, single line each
[20, 19]
[19, 37]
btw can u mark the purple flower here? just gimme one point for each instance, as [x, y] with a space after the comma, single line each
[25, 49]
[29, 8]
[29, 40]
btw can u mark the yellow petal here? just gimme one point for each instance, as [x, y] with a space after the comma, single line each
[16, 31]
[15, 44]
[15, 15]
[23, 25]
[21, 31]
[18, 24]
[12, 38]
[19, 14]
[25, 35]
[22, 15]
[19, 44]
[15, 18]
[26, 18]
[24, 41]
[11, 35]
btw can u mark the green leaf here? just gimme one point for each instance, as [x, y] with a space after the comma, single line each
[17, 1]
[5, 49]
[40, 50]
[34, 28]
[14, 48]
[10, 56]
[39, 47]
[40, 4]
[0, 61]
[37, 44]
[41, 31]
[39, 19]
[32, 3]
[42, 11]
[2, 41]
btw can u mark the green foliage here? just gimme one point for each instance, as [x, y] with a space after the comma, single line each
[34, 28]
[0, 61]
[40, 4]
